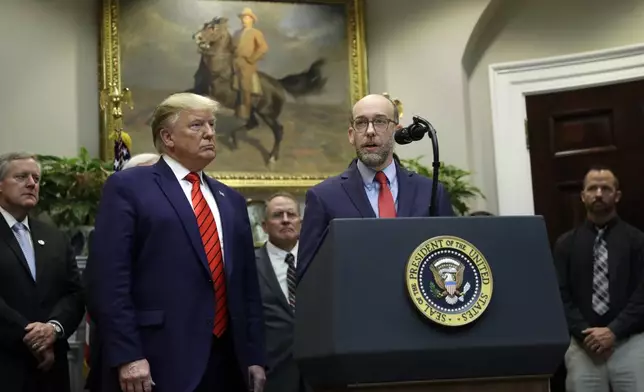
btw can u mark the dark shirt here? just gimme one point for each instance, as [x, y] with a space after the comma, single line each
[573, 255]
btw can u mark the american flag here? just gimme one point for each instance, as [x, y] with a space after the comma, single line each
[122, 144]
[86, 352]
[121, 151]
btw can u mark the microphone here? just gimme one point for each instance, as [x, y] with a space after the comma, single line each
[414, 132]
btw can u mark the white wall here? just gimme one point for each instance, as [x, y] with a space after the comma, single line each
[414, 53]
[530, 29]
[432, 55]
[49, 77]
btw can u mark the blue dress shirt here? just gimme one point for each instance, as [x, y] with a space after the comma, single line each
[372, 187]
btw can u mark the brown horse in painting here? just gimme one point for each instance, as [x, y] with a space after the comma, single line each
[214, 78]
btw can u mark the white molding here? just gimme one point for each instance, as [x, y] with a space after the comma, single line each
[511, 82]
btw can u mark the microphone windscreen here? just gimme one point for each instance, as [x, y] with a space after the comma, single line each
[401, 136]
[417, 131]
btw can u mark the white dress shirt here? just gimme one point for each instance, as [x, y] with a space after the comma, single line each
[278, 260]
[181, 172]
[12, 221]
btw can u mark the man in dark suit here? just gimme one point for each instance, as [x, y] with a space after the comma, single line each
[276, 263]
[41, 302]
[172, 281]
[600, 266]
[92, 380]
[374, 186]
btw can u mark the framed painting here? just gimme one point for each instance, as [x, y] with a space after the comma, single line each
[256, 217]
[285, 73]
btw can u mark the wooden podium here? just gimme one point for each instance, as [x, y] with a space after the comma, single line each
[358, 329]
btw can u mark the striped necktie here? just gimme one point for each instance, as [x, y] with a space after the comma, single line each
[212, 247]
[601, 296]
[290, 278]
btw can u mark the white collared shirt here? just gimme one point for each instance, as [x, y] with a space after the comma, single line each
[181, 172]
[12, 221]
[278, 260]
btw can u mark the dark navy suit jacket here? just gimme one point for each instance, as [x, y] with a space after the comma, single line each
[149, 285]
[344, 196]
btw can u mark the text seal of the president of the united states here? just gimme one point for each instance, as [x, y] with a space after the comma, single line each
[449, 280]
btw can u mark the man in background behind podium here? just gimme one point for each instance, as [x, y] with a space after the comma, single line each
[600, 267]
[374, 185]
[276, 263]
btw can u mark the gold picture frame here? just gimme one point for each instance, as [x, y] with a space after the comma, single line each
[114, 96]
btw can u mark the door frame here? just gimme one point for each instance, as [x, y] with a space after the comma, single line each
[511, 82]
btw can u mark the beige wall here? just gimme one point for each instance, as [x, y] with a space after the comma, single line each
[49, 76]
[433, 55]
[414, 53]
[531, 29]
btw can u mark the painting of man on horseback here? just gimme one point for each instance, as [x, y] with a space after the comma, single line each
[229, 67]
[282, 72]
[250, 47]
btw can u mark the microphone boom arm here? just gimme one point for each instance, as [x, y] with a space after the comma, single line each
[415, 132]
[436, 164]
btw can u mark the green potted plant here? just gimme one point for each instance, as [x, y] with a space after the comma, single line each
[70, 190]
[452, 179]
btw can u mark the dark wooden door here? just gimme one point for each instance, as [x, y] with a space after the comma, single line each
[570, 131]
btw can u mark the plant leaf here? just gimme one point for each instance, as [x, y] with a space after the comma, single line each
[452, 178]
[71, 188]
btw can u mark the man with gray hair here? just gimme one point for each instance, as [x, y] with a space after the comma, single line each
[41, 301]
[144, 159]
[276, 263]
[172, 282]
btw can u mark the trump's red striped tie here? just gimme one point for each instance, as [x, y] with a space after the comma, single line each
[212, 246]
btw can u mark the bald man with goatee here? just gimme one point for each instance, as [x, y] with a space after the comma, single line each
[374, 185]
[600, 266]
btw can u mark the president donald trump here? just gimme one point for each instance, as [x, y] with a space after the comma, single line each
[172, 282]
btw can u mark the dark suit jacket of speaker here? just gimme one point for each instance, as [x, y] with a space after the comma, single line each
[55, 295]
[344, 196]
[283, 374]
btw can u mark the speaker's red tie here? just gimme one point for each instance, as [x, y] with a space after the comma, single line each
[212, 246]
[386, 207]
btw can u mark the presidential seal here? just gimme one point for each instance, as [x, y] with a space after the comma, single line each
[449, 281]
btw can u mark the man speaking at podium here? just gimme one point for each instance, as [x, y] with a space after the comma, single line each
[374, 185]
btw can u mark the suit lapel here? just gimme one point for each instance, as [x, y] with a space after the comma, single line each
[173, 192]
[227, 222]
[266, 271]
[354, 187]
[10, 239]
[406, 192]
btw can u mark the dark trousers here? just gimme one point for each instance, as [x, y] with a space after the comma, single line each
[223, 372]
[56, 380]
